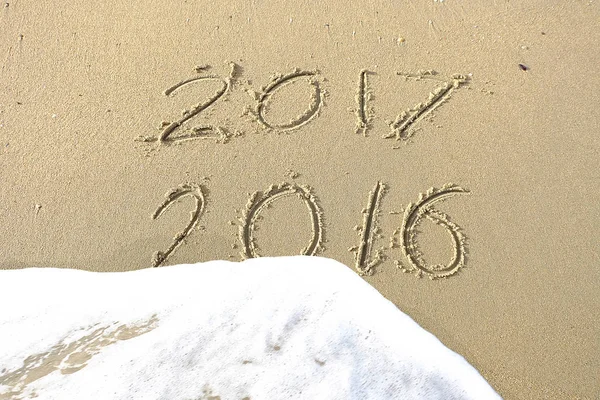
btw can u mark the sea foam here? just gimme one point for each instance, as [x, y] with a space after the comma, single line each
[267, 328]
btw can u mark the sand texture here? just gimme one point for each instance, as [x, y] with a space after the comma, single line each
[408, 140]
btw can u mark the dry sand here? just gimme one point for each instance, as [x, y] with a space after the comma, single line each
[352, 109]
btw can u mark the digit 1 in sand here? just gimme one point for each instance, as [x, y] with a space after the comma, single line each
[364, 262]
[364, 113]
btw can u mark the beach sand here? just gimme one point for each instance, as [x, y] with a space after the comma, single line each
[352, 110]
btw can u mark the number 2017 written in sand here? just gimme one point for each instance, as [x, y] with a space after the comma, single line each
[402, 128]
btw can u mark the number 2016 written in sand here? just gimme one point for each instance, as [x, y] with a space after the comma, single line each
[402, 128]
[366, 257]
